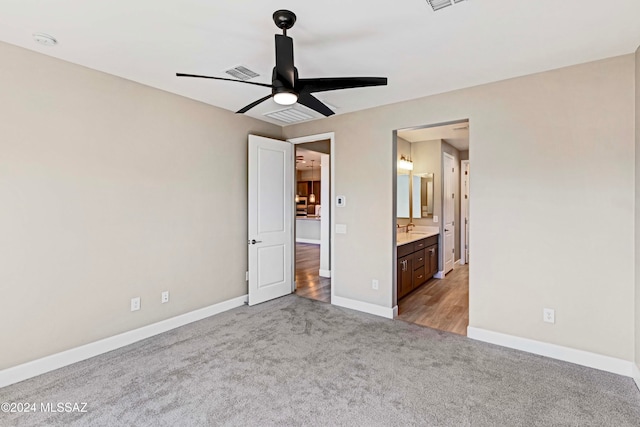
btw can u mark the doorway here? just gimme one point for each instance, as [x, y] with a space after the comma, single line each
[313, 218]
[432, 156]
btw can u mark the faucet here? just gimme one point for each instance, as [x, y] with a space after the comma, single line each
[407, 228]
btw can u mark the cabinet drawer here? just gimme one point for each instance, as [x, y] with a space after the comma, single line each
[420, 244]
[433, 240]
[419, 258]
[419, 277]
[404, 250]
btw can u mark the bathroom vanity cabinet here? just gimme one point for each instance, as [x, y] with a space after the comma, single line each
[417, 263]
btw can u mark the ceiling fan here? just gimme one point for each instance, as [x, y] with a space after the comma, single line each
[286, 87]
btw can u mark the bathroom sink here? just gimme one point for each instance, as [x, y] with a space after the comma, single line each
[403, 238]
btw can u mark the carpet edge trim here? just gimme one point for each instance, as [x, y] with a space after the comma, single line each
[55, 361]
[365, 307]
[553, 351]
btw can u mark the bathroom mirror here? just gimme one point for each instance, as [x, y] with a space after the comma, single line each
[403, 195]
[426, 196]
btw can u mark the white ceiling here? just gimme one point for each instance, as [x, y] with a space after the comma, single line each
[308, 156]
[456, 134]
[422, 52]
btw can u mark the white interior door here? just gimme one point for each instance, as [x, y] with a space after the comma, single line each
[448, 178]
[270, 215]
[464, 212]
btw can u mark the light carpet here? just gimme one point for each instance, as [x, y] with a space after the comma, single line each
[295, 361]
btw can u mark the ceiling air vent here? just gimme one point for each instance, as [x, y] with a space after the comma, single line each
[441, 4]
[242, 73]
[289, 115]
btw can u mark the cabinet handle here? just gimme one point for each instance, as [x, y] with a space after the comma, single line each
[432, 251]
[419, 259]
[420, 276]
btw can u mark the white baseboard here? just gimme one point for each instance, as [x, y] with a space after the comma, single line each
[365, 307]
[567, 354]
[55, 361]
[636, 375]
[312, 241]
[439, 275]
[324, 273]
[395, 311]
[457, 262]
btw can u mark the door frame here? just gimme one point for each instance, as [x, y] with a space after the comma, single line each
[332, 206]
[464, 210]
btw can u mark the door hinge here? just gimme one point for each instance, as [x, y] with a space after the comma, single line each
[466, 197]
[453, 223]
[453, 169]
[466, 173]
[453, 195]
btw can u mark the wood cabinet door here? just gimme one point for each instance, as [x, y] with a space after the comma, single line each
[432, 263]
[405, 275]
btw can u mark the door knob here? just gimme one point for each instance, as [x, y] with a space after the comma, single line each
[254, 241]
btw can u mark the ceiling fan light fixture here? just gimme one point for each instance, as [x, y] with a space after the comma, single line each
[285, 98]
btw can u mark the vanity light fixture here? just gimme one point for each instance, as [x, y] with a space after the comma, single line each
[312, 196]
[405, 163]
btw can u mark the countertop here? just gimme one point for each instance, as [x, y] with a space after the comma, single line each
[402, 238]
[309, 218]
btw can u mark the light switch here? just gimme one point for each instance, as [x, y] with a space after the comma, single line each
[435, 218]
[341, 201]
[341, 228]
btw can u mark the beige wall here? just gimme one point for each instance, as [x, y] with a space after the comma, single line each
[542, 146]
[637, 212]
[111, 190]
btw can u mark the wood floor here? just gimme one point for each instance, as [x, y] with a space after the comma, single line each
[308, 283]
[440, 303]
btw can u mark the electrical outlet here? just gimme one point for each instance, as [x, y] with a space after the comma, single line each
[435, 218]
[165, 297]
[374, 284]
[549, 315]
[135, 304]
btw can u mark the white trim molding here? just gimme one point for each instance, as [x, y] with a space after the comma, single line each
[439, 274]
[310, 241]
[636, 375]
[365, 307]
[324, 273]
[55, 361]
[567, 354]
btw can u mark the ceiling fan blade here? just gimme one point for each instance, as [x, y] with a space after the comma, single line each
[253, 104]
[314, 103]
[222, 78]
[285, 71]
[333, 83]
